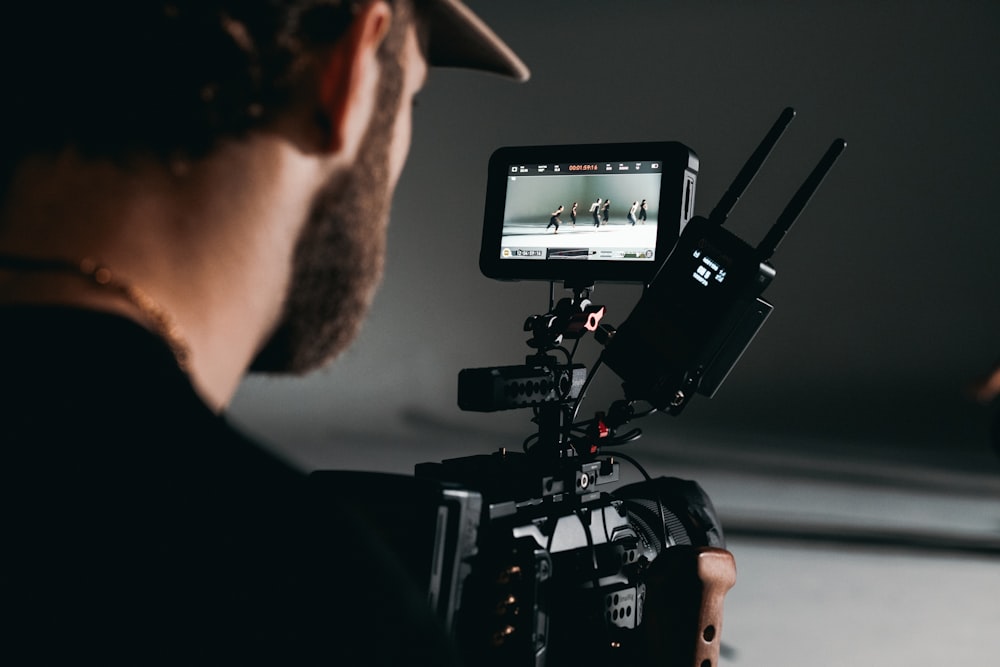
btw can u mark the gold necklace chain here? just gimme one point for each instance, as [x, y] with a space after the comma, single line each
[157, 317]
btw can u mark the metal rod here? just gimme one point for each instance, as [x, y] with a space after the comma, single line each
[799, 200]
[750, 169]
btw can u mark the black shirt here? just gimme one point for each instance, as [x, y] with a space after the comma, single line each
[140, 527]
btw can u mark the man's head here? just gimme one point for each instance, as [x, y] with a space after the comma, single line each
[339, 256]
[168, 77]
[339, 259]
[175, 80]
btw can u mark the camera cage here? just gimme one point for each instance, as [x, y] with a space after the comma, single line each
[531, 498]
[526, 559]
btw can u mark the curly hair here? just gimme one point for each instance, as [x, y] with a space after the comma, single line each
[119, 77]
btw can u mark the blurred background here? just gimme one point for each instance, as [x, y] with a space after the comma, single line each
[853, 475]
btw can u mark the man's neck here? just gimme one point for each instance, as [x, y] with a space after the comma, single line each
[208, 243]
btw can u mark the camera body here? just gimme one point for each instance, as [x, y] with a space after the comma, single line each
[558, 569]
[561, 571]
[525, 563]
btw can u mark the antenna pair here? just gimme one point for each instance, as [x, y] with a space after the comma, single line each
[766, 248]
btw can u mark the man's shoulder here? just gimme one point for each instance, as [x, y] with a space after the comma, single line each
[122, 490]
[76, 376]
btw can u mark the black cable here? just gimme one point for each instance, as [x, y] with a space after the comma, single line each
[635, 463]
[552, 537]
[640, 415]
[575, 346]
[583, 390]
[595, 580]
[569, 355]
[659, 501]
[620, 440]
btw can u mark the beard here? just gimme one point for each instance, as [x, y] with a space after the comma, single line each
[339, 256]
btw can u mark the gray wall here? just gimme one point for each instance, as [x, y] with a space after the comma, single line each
[885, 298]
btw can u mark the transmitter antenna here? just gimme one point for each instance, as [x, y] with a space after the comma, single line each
[798, 202]
[750, 169]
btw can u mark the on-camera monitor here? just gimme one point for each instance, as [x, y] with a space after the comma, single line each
[583, 213]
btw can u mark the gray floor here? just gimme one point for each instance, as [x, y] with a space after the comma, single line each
[850, 560]
[847, 554]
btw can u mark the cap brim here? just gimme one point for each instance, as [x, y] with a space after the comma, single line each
[459, 38]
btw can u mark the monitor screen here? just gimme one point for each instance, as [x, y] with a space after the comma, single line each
[586, 212]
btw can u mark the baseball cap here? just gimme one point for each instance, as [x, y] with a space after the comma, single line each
[459, 38]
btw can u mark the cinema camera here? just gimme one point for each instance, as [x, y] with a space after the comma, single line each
[526, 560]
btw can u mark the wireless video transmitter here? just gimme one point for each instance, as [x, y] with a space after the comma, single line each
[703, 307]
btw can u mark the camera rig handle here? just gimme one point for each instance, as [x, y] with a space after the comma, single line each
[686, 590]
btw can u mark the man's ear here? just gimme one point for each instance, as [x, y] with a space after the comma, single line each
[348, 79]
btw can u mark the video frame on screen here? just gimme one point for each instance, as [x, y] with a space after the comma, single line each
[608, 213]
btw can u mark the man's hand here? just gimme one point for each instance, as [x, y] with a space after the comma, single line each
[987, 387]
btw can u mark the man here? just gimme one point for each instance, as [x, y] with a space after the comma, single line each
[192, 189]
